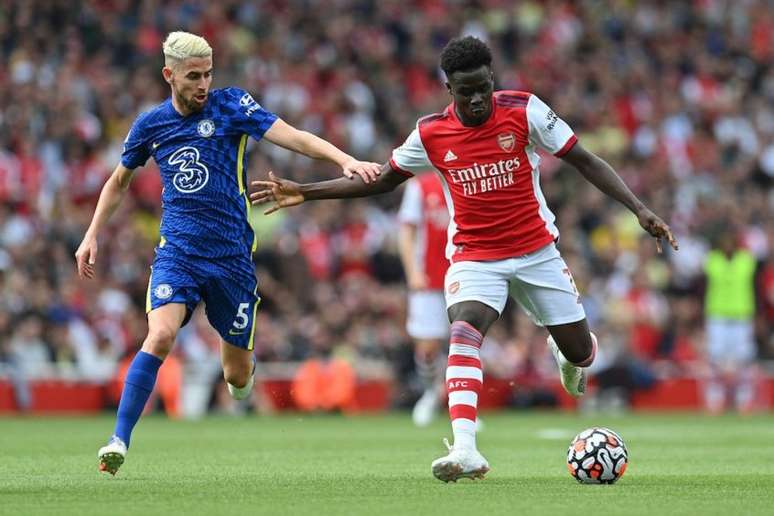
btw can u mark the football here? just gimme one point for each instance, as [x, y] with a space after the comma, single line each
[597, 456]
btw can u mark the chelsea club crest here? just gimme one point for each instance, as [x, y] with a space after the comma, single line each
[206, 128]
[163, 291]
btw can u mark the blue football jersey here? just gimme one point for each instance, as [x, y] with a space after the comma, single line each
[202, 162]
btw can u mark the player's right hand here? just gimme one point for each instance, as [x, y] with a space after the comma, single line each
[86, 257]
[282, 192]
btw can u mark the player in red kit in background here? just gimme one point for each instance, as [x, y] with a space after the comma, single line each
[501, 234]
[424, 222]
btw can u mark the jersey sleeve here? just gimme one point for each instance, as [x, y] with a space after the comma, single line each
[411, 157]
[246, 116]
[136, 151]
[547, 130]
[411, 205]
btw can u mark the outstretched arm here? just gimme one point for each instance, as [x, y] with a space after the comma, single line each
[599, 173]
[285, 135]
[286, 193]
[109, 199]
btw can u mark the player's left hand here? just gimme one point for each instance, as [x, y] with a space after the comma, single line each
[284, 193]
[86, 256]
[657, 228]
[365, 169]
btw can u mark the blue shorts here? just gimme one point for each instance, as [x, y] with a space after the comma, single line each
[227, 286]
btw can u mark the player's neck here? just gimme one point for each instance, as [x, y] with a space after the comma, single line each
[180, 107]
[181, 110]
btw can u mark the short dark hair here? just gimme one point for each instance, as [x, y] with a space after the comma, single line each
[465, 54]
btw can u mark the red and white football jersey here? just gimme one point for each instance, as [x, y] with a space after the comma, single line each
[490, 172]
[424, 206]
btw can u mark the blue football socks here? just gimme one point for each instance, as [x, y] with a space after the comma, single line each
[139, 383]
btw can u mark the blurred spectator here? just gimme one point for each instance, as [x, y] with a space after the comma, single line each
[324, 385]
[729, 306]
[28, 351]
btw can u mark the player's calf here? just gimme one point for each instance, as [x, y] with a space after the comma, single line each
[232, 380]
[430, 367]
[573, 374]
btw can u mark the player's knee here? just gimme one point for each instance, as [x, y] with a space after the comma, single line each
[159, 342]
[473, 318]
[478, 315]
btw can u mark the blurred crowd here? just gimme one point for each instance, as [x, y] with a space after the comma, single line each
[677, 96]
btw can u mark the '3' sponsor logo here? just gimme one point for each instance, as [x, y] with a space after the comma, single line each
[193, 174]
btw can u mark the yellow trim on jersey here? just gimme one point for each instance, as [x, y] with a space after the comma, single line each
[240, 158]
[252, 328]
[163, 241]
[148, 294]
[242, 189]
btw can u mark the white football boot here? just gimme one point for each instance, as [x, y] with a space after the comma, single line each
[112, 455]
[426, 408]
[573, 377]
[460, 463]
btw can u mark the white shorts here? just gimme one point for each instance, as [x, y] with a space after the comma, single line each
[730, 342]
[427, 317]
[540, 282]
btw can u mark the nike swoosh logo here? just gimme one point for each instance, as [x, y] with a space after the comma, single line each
[154, 145]
[232, 332]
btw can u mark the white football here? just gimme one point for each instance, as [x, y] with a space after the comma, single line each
[597, 456]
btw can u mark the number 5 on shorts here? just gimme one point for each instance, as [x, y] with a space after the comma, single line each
[242, 317]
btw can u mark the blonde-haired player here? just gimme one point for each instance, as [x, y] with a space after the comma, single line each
[198, 139]
[180, 45]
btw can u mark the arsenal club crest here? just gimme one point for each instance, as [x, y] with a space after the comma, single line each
[506, 141]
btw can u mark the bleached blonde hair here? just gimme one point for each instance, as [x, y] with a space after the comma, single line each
[180, 46]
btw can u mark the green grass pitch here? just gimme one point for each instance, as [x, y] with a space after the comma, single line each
[373, 465]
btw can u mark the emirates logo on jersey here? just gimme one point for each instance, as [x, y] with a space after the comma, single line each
[485, 177]
[506, 141]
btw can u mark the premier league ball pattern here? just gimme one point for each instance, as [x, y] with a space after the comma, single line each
[597, 456]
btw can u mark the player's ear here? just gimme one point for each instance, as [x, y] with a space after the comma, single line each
[168, 74]
[448, 88]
